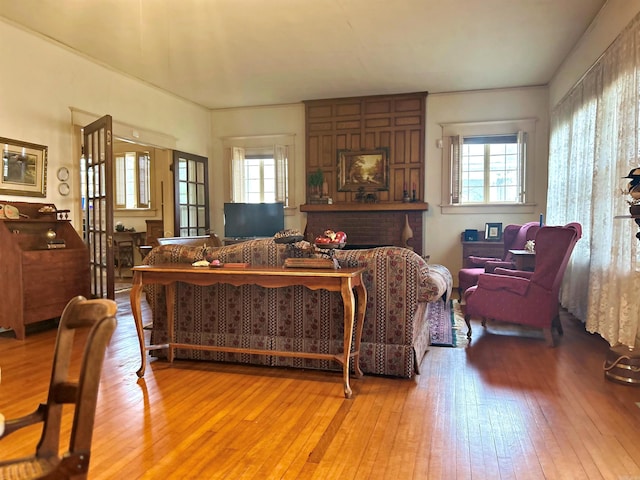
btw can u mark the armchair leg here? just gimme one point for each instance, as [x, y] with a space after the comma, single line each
[548, 335]
[467, 320]
[558, 324]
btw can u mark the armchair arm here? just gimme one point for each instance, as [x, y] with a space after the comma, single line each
[481, 261]
[491, 266]
[514, 284]
[513, 273]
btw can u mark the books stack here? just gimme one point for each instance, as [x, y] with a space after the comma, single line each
[321, 201]
[56, 243]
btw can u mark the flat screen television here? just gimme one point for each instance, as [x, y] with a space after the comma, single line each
[248, 220]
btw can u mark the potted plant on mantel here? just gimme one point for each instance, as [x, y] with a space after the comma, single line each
[316, 179]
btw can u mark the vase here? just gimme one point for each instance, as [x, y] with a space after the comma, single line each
[407, 233]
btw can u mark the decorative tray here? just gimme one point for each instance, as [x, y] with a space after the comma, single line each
[309, 263]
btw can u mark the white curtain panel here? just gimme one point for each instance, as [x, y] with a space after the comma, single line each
[594, 142]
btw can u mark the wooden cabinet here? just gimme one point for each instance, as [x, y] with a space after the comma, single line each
[39, 274]
[481, 248]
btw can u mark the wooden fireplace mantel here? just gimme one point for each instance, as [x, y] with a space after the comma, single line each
[369, 225]
[365, 207]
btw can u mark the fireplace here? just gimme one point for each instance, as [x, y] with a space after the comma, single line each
[369, 225]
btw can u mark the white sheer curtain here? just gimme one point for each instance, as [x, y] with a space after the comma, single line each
[594, 142]
[237, 174]
[281, 157]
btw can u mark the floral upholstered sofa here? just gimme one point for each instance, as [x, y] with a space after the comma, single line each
[399, 283]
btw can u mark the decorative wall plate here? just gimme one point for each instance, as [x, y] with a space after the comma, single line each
[63, 189]
[63, 174]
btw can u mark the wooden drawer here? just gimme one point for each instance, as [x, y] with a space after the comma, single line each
[50, 279]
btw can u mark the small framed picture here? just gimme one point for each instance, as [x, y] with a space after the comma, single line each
[493, 231]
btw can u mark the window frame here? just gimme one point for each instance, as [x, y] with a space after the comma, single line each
[450, 131]
[282, 147]
[142, 178]
[259, 155]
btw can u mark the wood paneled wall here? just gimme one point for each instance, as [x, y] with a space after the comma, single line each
[396, 122]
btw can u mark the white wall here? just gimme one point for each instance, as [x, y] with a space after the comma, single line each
[442, 231]
[40, 81]
[611, 20]
[252, 122]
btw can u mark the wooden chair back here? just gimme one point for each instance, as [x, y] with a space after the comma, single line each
[90, 324]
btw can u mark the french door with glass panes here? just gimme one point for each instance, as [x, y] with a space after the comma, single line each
[97, 202]
[191, 193]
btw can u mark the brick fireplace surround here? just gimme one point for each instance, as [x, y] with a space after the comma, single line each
[368, 225]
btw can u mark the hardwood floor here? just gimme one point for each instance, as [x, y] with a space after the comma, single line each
[505, 407]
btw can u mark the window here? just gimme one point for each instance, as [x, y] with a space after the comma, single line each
[132, 182]
[260, 174]
[489, 169]
[487, 164]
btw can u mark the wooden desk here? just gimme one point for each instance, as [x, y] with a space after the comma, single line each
[137, 238]
[343, 280]
[524, 259]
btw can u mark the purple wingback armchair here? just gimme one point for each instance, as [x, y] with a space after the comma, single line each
[526, 298]
[515, 237]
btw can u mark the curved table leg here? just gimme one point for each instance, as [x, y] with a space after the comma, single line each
[349, 313]
[134, 298]
[361, 293]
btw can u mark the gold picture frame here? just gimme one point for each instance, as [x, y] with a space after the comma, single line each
[363, 169]
[24, 168]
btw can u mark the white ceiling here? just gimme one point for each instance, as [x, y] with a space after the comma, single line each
[229, 53]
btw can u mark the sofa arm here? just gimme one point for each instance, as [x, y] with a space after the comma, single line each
[439, 283]
[388, 265]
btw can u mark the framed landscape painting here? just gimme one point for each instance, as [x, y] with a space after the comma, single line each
[363, 169]
[24, 168]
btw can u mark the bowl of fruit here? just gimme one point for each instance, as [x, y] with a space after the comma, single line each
[331, 239]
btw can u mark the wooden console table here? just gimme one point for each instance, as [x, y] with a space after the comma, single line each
[343, 280]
